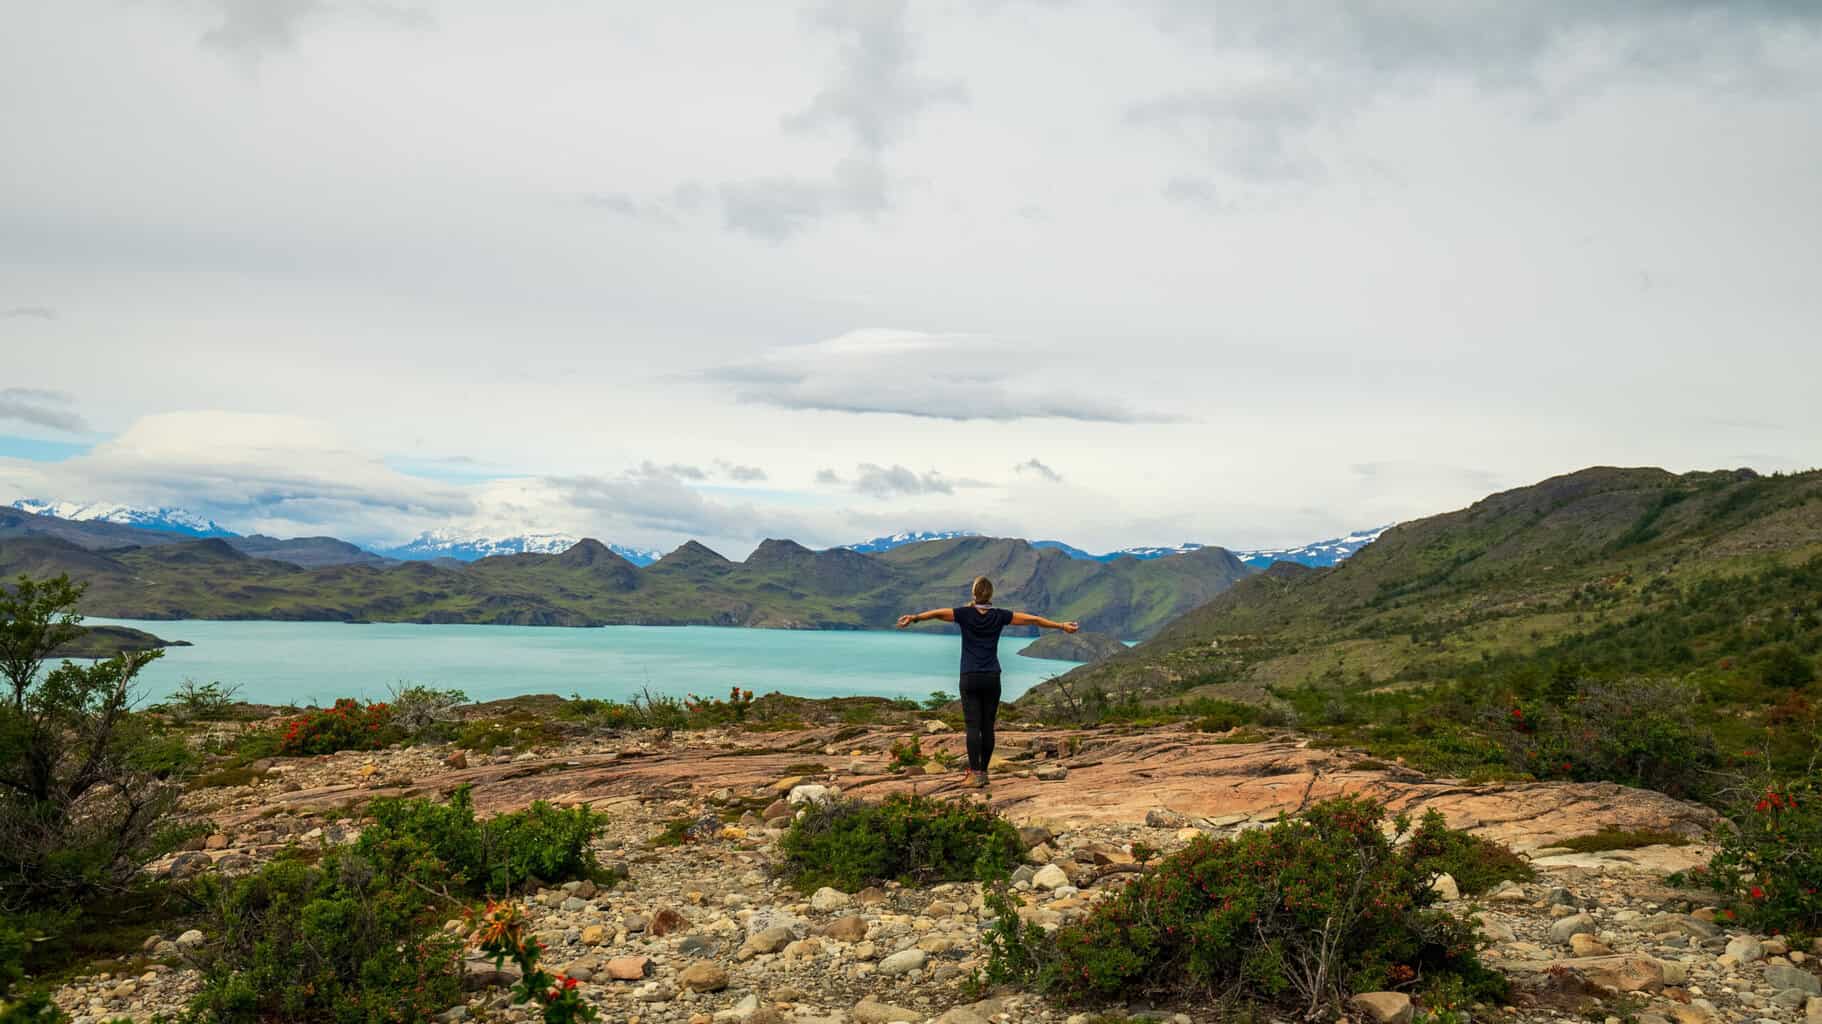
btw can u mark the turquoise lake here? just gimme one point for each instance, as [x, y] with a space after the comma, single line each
[316, 662]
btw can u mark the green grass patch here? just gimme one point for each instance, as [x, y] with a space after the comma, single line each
[915, 840]
[1621, 839]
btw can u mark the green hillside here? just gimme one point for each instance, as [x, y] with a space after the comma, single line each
[1707, 586]
[781, 584]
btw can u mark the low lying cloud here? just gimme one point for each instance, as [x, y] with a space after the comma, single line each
[897, 481]
[1038, 469]
[740, 474]
[28, 313]
[912, 373]
[40, 408]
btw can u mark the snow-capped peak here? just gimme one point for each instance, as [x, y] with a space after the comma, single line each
[1319, 553]
[903, 537]
[468, 547]
[169, 520]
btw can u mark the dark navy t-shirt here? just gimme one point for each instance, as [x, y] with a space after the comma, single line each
[981, 636]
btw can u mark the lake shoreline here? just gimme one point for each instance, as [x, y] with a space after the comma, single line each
[280, 662]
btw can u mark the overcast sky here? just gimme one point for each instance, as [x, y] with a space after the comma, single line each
[1248, 273]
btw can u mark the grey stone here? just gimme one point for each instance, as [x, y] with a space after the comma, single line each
[1577, 924]
[902, 961]
[1745, 949]
[1781, 977]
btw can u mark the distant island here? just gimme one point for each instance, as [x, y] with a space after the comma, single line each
[107, 641]
[1082, 646]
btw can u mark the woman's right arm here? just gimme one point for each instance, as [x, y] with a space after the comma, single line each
[1026, 619]
[939, 614]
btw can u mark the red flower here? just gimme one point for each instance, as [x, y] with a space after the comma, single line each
[1757, 893]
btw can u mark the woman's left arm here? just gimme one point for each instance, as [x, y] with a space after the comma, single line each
[1024, 619]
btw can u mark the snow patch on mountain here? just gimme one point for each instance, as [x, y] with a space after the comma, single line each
[467, 547]
[168, 520]
[899, 540]
[1320, 553]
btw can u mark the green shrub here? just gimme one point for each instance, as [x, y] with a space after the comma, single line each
[348, 725]
[1781, 665]
[1621, 839]
[1640, 732]
[1771, 861]
[342, 942]
[907, 752]
[517, 731]
[423, 712]
[443, 844]
[86, 783]
[200, 702]
[850, 843]
[1476, 864]
[1299, 914]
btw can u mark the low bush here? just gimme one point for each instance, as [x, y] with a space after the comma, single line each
[503, 933]
[444, 845]
[1781, 665]
[1476, 864]
[1299, 914]
[423, 712]
[353, 938]
[851, 843]
[706, 711]
[200, 702]
[340, 941]
[1640, 732]
[1770, 862]
[348, 725]
[517, 731]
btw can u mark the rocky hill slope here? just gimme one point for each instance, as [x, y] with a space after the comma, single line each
[1708, 580]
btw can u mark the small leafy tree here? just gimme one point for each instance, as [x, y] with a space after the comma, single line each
[85, 782]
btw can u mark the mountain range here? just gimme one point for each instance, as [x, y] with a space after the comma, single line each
[169, 520]
[463, 546]
[1319, 553]
[146, 574]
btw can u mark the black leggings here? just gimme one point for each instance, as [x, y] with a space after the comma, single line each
[980, 706]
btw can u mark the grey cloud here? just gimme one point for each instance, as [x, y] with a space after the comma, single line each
[40, 408]
[908, 373]
[775, 209]
[1334, 61]
[1192, 191]
[1252, 133]
[675, 471]
[1493, 43]
[875, 97]
[827, 476]
[894, 481]
[1034, 466]
[28, 313]
[252, 29]
[666, 505]
[877, 92]
[742, 474]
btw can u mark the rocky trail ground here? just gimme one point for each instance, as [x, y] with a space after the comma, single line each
[703, 932]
